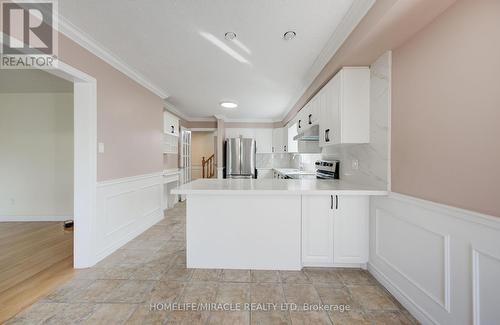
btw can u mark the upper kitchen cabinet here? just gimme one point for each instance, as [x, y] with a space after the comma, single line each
[263, 137]
[280, 140]
[170, 124]
[344, 108]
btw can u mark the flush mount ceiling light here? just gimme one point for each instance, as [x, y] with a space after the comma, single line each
[289, 35]
[227, 104]
[230, 36]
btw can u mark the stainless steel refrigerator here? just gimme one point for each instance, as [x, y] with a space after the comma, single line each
[240, 158]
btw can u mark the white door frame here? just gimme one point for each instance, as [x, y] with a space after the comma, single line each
[85, 162]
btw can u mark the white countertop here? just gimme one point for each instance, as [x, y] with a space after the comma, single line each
[276, 186]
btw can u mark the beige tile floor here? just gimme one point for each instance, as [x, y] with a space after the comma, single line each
[152, 269]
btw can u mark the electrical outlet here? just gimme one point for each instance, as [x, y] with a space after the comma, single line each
[355, 164]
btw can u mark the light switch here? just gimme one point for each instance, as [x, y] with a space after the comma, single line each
[100, 147]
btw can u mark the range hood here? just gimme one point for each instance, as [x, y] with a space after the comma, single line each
[311, 134]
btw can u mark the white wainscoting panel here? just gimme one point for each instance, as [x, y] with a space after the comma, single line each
[440, 262]
[126, 207]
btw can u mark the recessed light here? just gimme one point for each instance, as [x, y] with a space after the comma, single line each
[289, 35]
[227, 104]
[230, 36]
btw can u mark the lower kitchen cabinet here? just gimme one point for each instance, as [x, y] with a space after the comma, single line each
[335, 230]
[317, 231]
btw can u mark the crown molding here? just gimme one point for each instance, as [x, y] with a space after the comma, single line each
[88, 43]
[351, 19]
[253, 120]
[174, 110]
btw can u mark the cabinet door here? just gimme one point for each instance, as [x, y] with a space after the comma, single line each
[284, 139]
[264, 139]
[330, 113]
[278, 144]
[292, 145]
[300, 119]
[170, 123]
[317, 230]
[351, 229]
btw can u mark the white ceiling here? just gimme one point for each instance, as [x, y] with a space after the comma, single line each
[173, 44]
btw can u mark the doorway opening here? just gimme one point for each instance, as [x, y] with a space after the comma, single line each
[36, 191]
[51, 166]
[203, 153]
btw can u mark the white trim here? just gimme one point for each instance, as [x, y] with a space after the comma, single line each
[34, 218]
[203, 130]
[352, 18]
[251, 120]
[418, 312]
[87, 42]
[85, 160]
[466, 215]
[128, 179]
[389, 129]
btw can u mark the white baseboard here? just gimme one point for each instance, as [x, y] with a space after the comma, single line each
[33, 218]
[441, 262]
[126, 207]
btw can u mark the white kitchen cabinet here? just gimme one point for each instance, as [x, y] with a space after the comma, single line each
[301, 124]
[335, 230]
[280, 140]
[292, 145]
[350, 239]
[345, 108]
[170, 124]
[317, 231]
[263, 137]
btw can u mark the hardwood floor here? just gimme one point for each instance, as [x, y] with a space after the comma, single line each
[35, 257]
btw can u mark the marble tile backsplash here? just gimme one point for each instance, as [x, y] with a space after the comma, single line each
[287, 160]
[373, 157]
[273, 160]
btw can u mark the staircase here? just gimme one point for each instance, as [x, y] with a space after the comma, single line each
[208, 167]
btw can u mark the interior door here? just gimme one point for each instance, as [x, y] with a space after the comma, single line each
[185, 157]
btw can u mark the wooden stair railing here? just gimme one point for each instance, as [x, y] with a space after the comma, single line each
[208, 167]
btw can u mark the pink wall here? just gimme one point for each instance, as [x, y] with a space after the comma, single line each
[129, 117]
[446, 109]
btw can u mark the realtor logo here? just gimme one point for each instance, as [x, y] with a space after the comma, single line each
[29, 34]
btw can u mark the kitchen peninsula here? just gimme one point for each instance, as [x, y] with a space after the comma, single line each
[276, 223]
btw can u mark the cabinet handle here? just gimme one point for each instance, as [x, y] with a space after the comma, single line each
[331, 202]
[336, 202]
[299, 124]
[273, 149]
[172, 128]
[310, 115]
[327, 135]
[285, 147]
